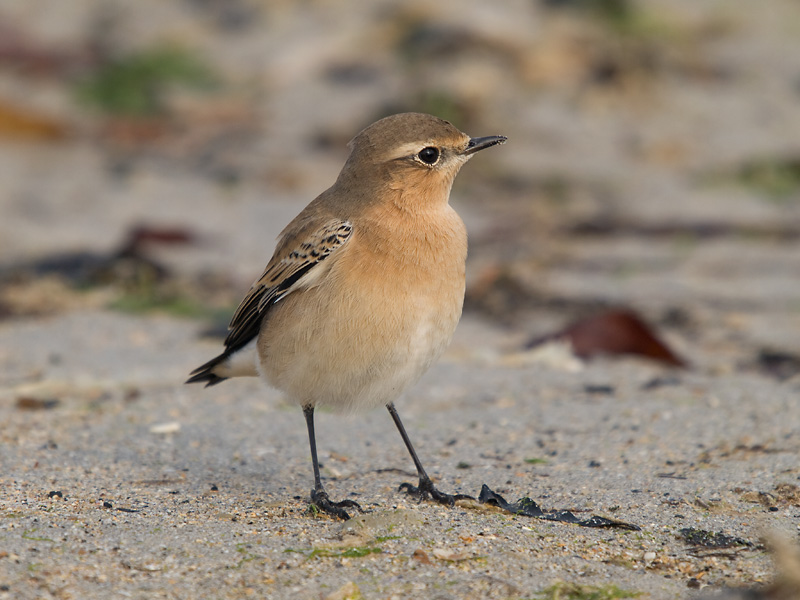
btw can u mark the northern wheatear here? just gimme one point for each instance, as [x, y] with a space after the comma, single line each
[365, 287]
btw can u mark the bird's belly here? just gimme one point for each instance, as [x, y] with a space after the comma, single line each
[353, 349]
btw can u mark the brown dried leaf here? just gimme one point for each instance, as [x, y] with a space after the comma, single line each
[31, 403]
[26, 124]
[422, 556]
[615, 332]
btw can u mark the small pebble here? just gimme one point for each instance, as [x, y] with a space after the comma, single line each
[164, 428]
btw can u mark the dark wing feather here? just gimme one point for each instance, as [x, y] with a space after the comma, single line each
[285, 271]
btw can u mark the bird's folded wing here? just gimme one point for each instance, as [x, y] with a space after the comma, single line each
[295, 265]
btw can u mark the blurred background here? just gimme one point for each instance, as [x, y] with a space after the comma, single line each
[151, 152]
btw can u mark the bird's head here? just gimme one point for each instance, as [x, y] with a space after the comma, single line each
[413, 153]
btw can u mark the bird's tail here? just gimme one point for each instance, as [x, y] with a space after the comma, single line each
[205, 373]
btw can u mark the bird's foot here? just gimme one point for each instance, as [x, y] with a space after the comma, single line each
[319, 499]
[425, 490]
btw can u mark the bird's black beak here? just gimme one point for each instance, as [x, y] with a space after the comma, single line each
[480, 143]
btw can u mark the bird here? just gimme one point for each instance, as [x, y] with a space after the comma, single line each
[365, 287]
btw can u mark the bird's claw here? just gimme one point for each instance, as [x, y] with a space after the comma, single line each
[426, 490]
[320, 499]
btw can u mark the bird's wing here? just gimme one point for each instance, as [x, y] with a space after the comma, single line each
[295, 265]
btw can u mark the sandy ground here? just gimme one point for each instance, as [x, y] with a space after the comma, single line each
[117, 481]
[134, 486]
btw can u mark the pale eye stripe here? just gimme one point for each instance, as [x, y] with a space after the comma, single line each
[410, 149]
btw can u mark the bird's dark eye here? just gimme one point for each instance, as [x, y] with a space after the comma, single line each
[429, 155]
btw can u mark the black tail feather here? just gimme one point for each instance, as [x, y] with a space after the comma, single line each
[204, 373]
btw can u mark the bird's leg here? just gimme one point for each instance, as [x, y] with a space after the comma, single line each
[319, 497]
[425, 489]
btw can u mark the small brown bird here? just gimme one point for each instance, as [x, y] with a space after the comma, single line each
[365, 287]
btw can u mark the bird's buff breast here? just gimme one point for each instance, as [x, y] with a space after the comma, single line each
[378, 320]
